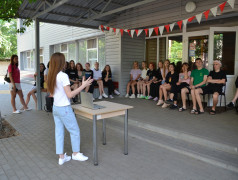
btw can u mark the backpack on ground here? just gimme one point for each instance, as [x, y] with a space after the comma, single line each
[48, 103]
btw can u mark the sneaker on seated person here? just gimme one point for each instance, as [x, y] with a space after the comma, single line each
[132, 96]
[174, 106]
[117, 92]
[104, 95]
[127, 95]
[138, 95]
[230, 105]
[100, 97]
[165, 105]
[111, 96]
[170, 101]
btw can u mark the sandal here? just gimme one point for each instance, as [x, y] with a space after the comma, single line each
[212, 112]
[182, 109]
[193, 111]
[199, 112]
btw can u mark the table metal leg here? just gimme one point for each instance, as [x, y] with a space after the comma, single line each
[104, 131]
[95, 148]
[126, 133]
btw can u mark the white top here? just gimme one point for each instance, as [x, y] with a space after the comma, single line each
[144, 73]
[46, 71]
[60, 97]
[97, 74]
[135, 73]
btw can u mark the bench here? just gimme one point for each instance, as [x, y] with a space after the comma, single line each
[96, 91]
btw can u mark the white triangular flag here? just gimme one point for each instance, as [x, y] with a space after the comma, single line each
[105, 27]
[199, 17]
[125, 30]
[214, 11]
[117, 31]
[161, 30]
[132, 33]
[231, 3]
[171, 26]
[185, 21]
[110, 30]
[151, 31]
[99, 27]
[139, 32]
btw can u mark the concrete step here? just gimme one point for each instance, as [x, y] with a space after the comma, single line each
[206, 154]
[204, 141]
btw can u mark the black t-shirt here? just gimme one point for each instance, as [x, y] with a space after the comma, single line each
[88, 73]
[158, 75]
[217, 75]
[104, 74]
[41, 80]
[72, 73]
[151, 74]
[172, 78]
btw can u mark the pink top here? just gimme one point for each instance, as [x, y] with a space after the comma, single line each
[15, 73]
[135, 73]
[181, 77]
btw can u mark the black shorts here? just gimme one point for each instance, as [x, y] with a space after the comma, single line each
[95, 83]
[211, 89]
[71, 83]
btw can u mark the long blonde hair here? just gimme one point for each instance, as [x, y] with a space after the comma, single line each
[164, 68]
[57, 62]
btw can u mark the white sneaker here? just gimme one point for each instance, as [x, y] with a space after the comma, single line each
[16, 112]
[93, 99]
[100, 97]
[132, 96]
[111, 96]
[165, 105]
[117, 92]
[79, 157]
[138, 95]
[66, 159]
[160, 102]
[28, 109]
[127, 95]
[104, 95]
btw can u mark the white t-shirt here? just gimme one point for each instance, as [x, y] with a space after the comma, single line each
[144, 73]
[60, 97]
[97, 74]
[46, 71]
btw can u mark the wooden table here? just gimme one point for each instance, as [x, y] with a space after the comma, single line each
[110, 110]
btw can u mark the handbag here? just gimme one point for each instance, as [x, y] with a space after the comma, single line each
[7, 78]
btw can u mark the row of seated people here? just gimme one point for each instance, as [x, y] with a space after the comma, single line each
[101, 78]
[155, 84]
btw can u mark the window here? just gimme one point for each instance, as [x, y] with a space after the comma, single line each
[151, 51]
[83, 52]
[101, 52]
[198, 48]
[68, 49]
[28, 57]
[72, 52]
[64, 50]
[57, 48]
[92, 43]
[175, 49]
[224, 50]
[92, 52]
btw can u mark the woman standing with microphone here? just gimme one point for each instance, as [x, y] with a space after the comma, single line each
[59, 86]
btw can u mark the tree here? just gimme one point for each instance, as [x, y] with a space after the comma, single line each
[8, 38]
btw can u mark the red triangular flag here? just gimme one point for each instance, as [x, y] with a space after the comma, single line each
[114, 29]
[221, 6]
[121, 32]
[108, 28]
[146, 31]
[167, 27]
[191, 19]
[156, 30]
[102, 27]
[206, 13]
[136, 30]
[180, 24]
[129, 32]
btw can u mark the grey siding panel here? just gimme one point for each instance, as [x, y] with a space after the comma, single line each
[133, 49]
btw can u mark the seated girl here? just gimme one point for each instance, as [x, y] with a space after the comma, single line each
[134, 77]
[232, 103]
[107, 81]
[165, 70]
[150, 77]
[171, 79]
[154, 87]
[184, 81]
[80, 73]
[141, 80]
[34, 88]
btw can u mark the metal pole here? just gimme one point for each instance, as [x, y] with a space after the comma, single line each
[95, 148]
[37, 63]
[104, 131]
[126, 133]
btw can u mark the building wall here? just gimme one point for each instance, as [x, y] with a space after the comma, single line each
[51, 34]
[132, 49]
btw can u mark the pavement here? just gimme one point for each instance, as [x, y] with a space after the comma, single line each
[31, 155]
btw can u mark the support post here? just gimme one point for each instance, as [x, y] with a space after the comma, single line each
[95, 148]
[37, 63]
[126, 133]
[104, 131]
